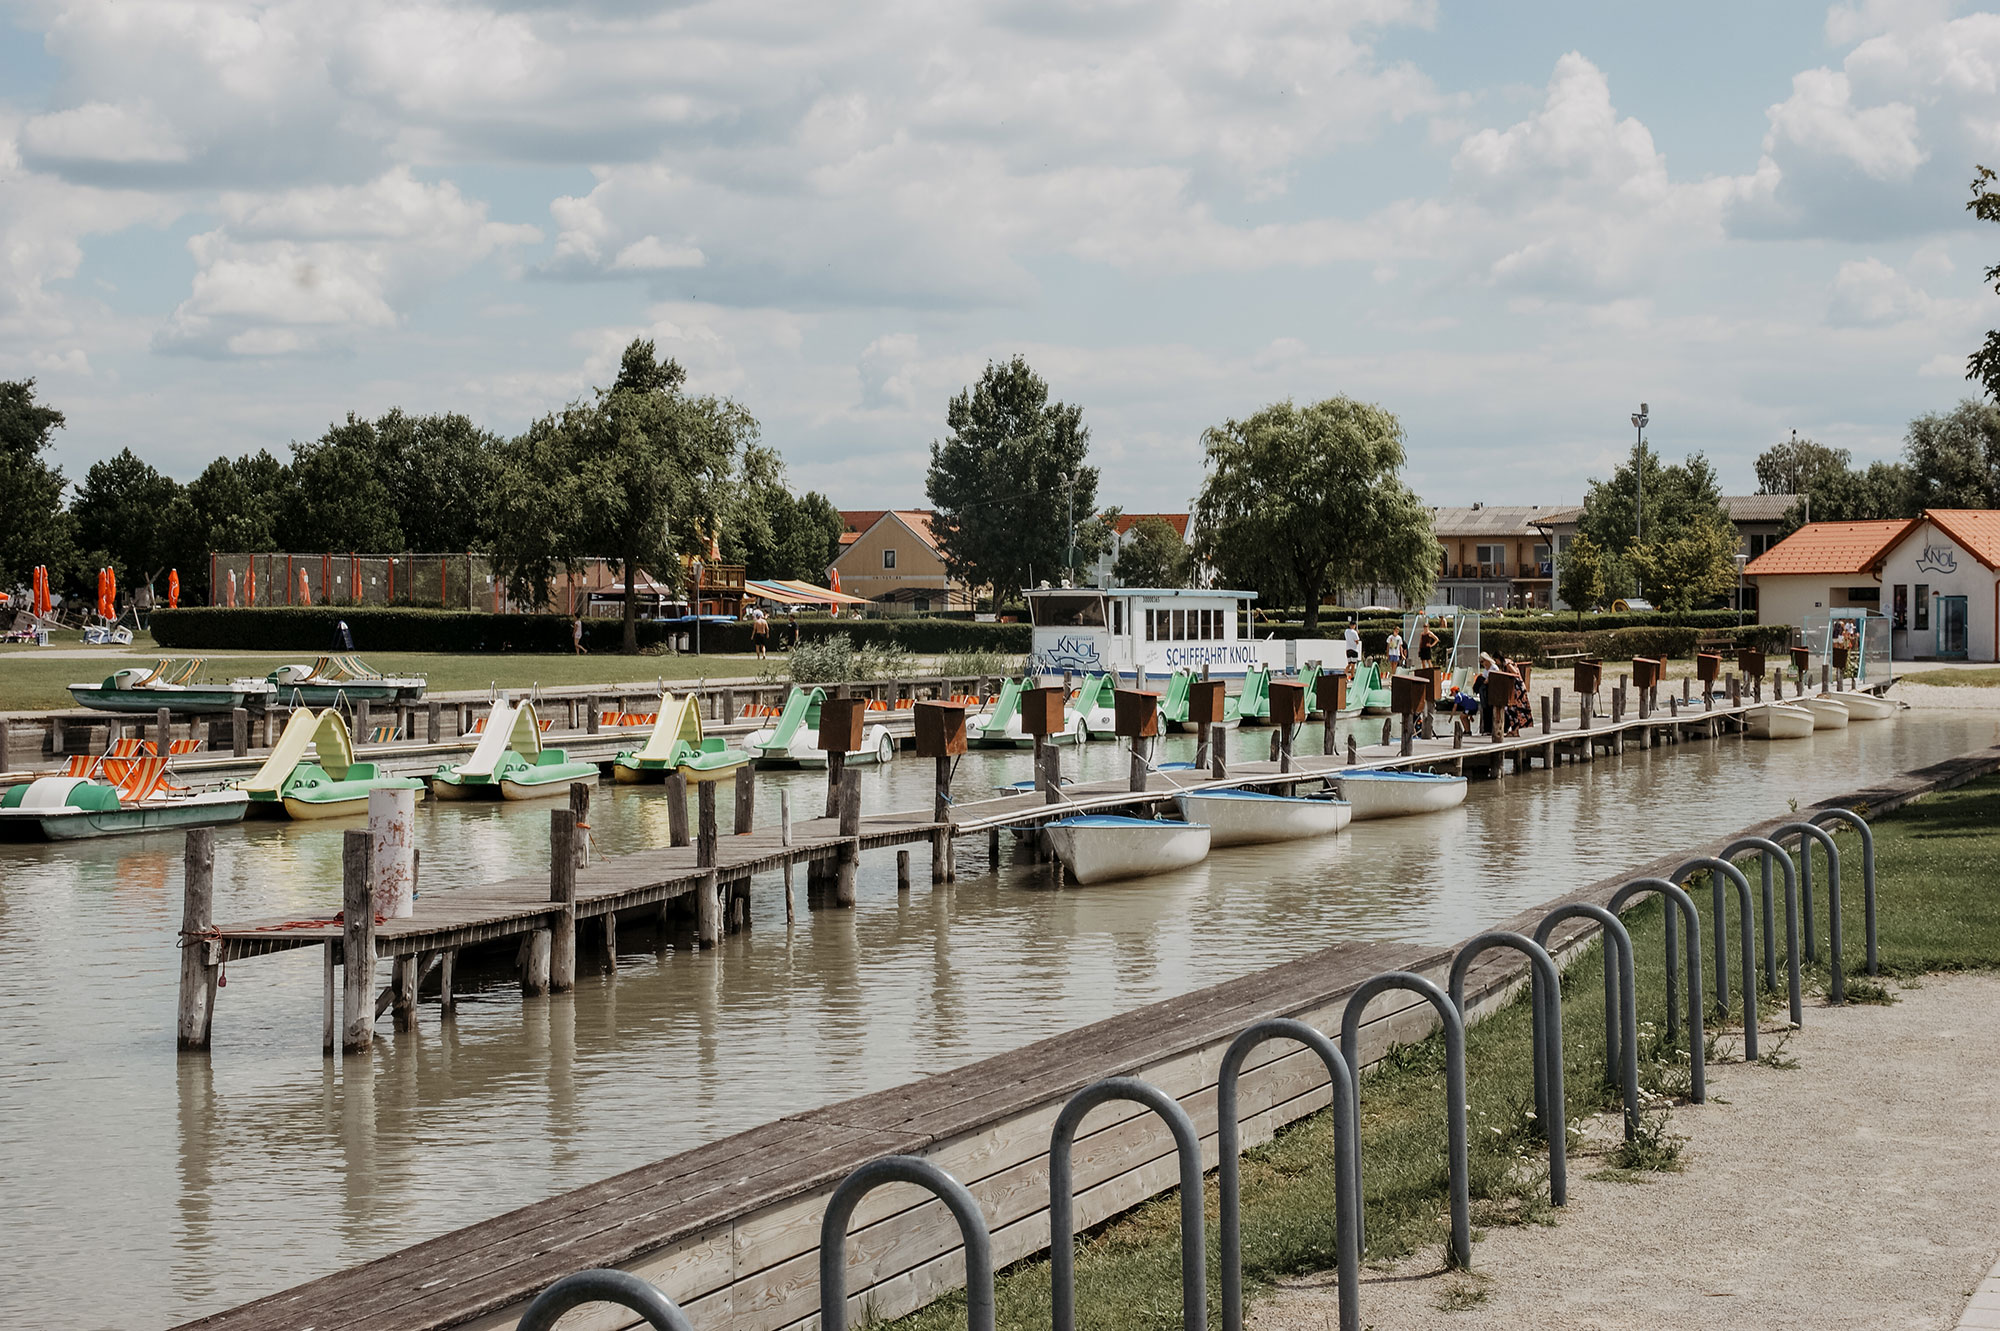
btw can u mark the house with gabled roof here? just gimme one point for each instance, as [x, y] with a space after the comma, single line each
[891, 556]
[1935, 577]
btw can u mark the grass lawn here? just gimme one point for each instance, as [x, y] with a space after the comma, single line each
[1956, 679]
[1936, 861]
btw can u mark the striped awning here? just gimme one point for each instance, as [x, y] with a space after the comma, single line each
[787, 592]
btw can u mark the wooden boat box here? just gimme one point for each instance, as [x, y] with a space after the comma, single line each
[1587, 677]
[1646, 672]
[941, 729]
[1707, 666]
[1802, 659]
[1205, 702]
[840, 722]
[1042, 710]
[1409, 695]
[1135, 714]
[1840, 662]
[1330, 692]
[1500, 688]
[1750, 660]
[1288, 703]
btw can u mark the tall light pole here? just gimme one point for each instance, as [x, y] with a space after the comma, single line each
[1639, 419]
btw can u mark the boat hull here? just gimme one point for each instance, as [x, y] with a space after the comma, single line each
[1778, 721]
[147, 701]
[1400, 794]
[644, 772]
[1106, 848]
[328, 695]
[545, 783]
[153, 816]
[1244, 817]
[1868, 707]
[1828, 712]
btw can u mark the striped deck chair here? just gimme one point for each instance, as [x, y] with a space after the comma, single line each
[384, 734]
[81, 764]
[609, 720]
[129, 748]
[136, 779]
[544, 722]
[180, 746]
[478, 726]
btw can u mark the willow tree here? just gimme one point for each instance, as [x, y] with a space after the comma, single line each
[1301, 501]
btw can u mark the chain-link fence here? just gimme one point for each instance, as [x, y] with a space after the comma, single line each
[462, 581]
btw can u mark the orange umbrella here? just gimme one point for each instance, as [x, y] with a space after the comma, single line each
[250, 585]
[232, 588]
[173, 589]
[834, 584]
[305, 589]
[111, 593]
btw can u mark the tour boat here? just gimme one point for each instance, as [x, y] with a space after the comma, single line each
[793, 741]
[1778, 720]
[1001, 727]
[1869, 707]
[1828, 712]
[1397, 794]
[333, 678]
[170, 684]
[330, 784]
[677, 745]
[510, 762]
[135, 797]
[1100, 847]
[1248, 817]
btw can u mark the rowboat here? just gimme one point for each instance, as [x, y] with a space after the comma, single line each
[677, 745]
[330, 784]
[170, 684]
[72, 808]
[1100, 847]
[509, 762]
[331, 679]
[1001, 728]
[1250, 817]
[794, 740]
[1399, 794]
[1869, 707]
[1828, 712]
[1778, 720]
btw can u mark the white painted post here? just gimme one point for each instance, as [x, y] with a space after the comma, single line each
[392, 836]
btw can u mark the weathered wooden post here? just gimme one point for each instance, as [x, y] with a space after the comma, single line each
[941, 737]
[201, 955]
[357, 944]
[677, 809]
[590, 716]
[1205, 709]
[1135, 716]
[1330, 694]
[1409, 695]
[841, 722]
[708, 909]
[785, 839]
[850, 833]
[746, 800]
[562, 892]
[1288, 713]
[579, 804]
[361, 721]
[239, 731]
[902, 871]
[433, 721]
[1545, 712]
[1042, 717]
[707, 837]
[1354, 750]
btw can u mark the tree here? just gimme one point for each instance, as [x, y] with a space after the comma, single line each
[34, 526]
[1154, 556]
[1582, 582]
[1301, 500]
[232, 506]
[1954, 457]
[338, 497]
[1689, 567]
[125, 509]
[1983, 366]
[1799, 466]
[772, 533]
[1007, 480]
[1689, 541]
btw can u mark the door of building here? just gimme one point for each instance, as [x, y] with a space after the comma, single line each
[1951, 634]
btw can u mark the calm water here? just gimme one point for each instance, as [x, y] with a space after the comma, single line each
[147, 1188]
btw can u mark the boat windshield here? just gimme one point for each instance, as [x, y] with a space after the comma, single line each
[1068, 610]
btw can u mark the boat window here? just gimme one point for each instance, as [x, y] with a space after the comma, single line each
[1117, 616]
[1068, 612]
[1180, 626]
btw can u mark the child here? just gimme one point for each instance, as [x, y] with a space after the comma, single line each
[1395, 649]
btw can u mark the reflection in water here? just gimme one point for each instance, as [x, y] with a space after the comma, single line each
[217, 1179]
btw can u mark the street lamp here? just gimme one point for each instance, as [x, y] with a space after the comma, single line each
[1741, 560]
[1639, 419]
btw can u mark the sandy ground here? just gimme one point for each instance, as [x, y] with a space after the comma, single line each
[1858, 1190]
[1930, 697]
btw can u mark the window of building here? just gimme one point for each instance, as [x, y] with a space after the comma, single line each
[1864, 596]
[1922, 606]
[888, 559]
[1541, 554]
[1491, 556]
[922, 605]
[1900, 607]
[1760, 542]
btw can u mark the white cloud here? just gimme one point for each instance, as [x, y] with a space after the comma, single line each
[101, 132]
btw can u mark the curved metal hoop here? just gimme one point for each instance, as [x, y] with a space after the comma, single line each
[1838, 987]
[1551, 1105]
[1717, 869]
[1454, 1089]
[1062, 1216]
[1346, 1167]
[1621, 1005]
[1854, 820]
[1770, 852]
[603, 1285]
[957, 1199]
[1697, 1033]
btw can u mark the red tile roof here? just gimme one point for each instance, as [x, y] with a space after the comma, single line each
[1977, 529]
[859, 520]
[1832, 547]
[1127, 521]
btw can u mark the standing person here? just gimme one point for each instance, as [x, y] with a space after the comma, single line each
[797, 634]
[576, 636]
[760, 631]
[1395, 649]
[1353, 640]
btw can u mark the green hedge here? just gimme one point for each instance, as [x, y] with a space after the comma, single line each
[1332, 623]
[311, 629]
[1610, 644]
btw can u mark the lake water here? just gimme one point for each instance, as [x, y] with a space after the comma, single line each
[147, 1187]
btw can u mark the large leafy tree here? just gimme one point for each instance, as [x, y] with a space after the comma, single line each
[127, 509]
[419, 483]
[34, 526]
[1582, 574]
[1830, 489]
[1154, 556]
[1983, 366]
[1299, 501]
[770, 531]
[1954, 457]
[339, 497]
[1007, 481]
[1685, 554]
[234, 505]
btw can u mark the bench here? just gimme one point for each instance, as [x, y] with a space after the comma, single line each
[1723, 647]
[1563, 653]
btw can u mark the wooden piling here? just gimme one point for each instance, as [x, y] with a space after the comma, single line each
[1354, 750]
[993, 849]
[163, 725]
[902, 871]
[677, 810]
[357, 944]
[590, 716]
[403, 999]
[785, 839]
[562, 892]
[1041, 769]
[361, 721]
[1556, 704]
[579, 807]
[836, 768]
[433, 722]
[200, 954]
[1545, 713]
[707, 836]
[1139, 773]
[609, 937]
[447, 999]
[850, 831]
[942, 868]
[941, 799]
[327, 953]
[746, 800]
[1218, 752]
[1201, 745]
[535, 965]
[239, 731]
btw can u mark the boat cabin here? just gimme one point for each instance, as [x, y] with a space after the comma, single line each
[1119, 630]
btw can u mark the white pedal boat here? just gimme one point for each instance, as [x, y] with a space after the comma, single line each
[1828, 712]
[1251, 817]
[1778, 720]
[1400, 794]
[1868, 707]
[1100, 847]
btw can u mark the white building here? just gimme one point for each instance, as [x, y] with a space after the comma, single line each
[1935, 577]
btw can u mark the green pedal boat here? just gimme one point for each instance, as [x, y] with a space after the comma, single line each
[329, 784]
[510, 762]
[676, 745]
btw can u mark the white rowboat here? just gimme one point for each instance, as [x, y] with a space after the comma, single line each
[1868, 707]
[1250, 817]
[1399, 794]
[1100, 847]
[1778, 720]
[1828, 712]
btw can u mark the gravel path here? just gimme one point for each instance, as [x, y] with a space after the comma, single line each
[1859, 1190]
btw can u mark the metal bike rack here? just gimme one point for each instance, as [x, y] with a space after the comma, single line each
[1551, 1106]
[1346, 1167]
[1697, 1032]
[1768, 852]
[957, 1199]
[1062, 1217]
[603, 1285]
[1848, 816]
[1454, 1090]
[1621, 1005]
[1716, 869]
[1825, 839]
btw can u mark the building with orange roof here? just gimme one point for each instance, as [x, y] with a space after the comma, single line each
[1935, 577]
[891, 556]
[1100, 574]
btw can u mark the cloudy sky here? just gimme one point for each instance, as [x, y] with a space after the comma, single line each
[224, 224]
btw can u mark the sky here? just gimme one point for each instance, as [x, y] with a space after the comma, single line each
[225, 225]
